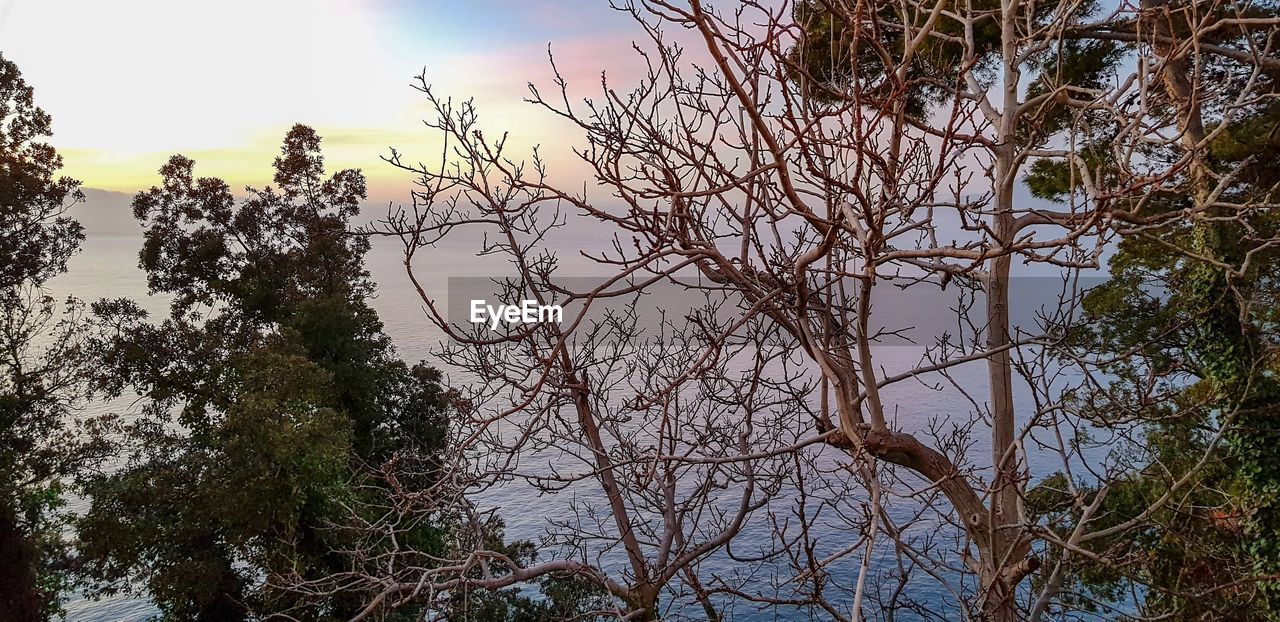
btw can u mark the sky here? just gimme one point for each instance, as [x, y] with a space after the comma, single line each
[131, 82]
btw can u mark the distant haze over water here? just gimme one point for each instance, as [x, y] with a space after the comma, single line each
[107, 267]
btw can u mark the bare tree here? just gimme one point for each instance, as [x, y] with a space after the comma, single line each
[802, 164]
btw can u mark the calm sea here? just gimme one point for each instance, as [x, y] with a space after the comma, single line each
[106, 268]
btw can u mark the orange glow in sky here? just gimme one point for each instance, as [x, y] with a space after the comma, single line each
[131, 82]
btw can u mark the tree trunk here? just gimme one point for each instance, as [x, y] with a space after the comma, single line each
[21, 599]
[998, 586]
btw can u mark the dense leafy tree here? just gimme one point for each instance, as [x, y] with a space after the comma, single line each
[270, 390]
[1190, 313]
[37, 236]
[1201, 325]
[832, 51]
[41, 363]
[1187, 324]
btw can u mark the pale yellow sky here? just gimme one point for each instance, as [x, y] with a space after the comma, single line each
[130, 82]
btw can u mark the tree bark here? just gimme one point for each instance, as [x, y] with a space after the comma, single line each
[21, 599]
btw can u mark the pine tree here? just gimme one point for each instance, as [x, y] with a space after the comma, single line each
[270, 391]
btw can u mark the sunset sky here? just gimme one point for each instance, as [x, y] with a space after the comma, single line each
[130, 82]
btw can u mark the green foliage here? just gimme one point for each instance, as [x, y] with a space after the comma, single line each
[1193, 361]
[1186, 328]
[42, 365]
[36, 236]
[836, 48]
[1185, 557]
[558, 598]
[1055, 180]
[270, 391]
[554, 598]
[1255, 143]
[193, 506]
[1188, 332]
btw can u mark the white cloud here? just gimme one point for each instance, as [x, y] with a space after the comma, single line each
[134, 76]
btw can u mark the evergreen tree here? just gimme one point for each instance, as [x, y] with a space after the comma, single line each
[1190, 314]
[1187, 324]
[41, 362]
[270, 391]
[1199, 326]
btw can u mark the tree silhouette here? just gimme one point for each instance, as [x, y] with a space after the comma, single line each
[270, 388]
[41, 362]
